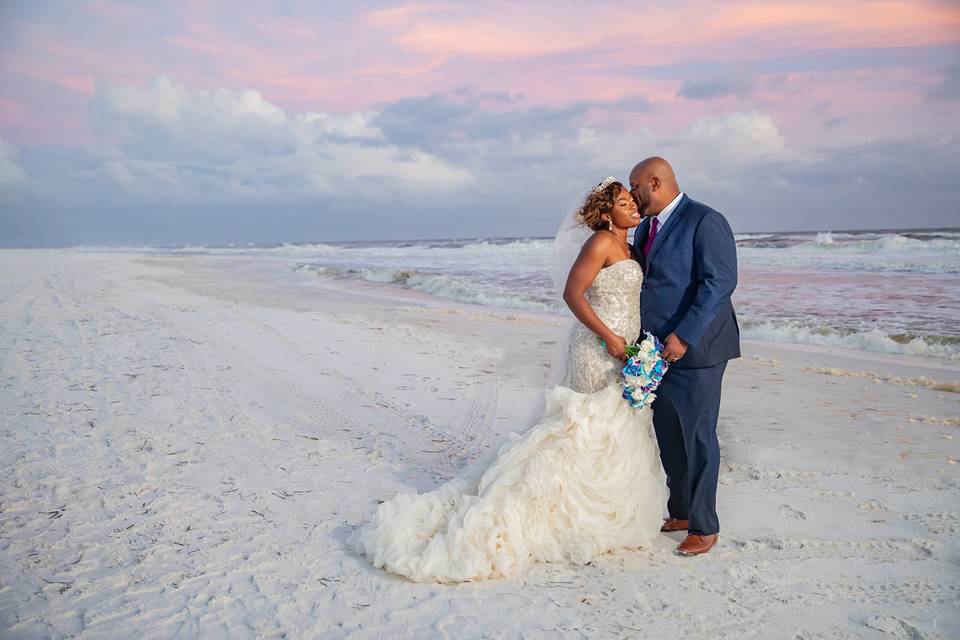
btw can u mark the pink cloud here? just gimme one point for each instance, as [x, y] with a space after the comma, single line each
[548, 53]
[664, 35]
[857, 24]
[45, 55]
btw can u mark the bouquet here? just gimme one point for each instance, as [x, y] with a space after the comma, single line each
[643, 372]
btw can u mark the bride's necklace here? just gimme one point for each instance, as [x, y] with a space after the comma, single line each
[622, 242]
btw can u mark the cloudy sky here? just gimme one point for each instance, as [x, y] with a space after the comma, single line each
[207, 121]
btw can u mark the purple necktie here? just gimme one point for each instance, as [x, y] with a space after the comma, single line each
[650, 238]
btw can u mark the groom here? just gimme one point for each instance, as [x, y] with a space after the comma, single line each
[689, 262]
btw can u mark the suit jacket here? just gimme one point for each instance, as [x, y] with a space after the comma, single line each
[689, 274]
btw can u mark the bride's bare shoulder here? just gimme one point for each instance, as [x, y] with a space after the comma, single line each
[600, 241]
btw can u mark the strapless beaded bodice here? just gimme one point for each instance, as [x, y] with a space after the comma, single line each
[615, 297]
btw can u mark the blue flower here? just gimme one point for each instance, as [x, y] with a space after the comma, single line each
[633, 370]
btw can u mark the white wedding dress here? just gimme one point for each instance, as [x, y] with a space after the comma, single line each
[585, 480]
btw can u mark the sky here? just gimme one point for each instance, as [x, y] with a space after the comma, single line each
[137, 123]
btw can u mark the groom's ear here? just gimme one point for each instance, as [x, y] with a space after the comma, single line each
[656, 183]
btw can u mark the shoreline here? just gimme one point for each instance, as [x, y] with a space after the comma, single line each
[845, 294]
[387, 294]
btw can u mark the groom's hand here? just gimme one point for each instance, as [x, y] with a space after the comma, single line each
[673, 348]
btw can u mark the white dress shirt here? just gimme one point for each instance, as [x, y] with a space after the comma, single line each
[667, 210]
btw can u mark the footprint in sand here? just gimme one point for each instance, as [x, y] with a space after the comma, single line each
[874, 505]
[941, 522]
[835, 494]
[790, 512]
[893, 626]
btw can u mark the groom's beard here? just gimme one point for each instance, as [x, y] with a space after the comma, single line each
[643, 208]
[643, 204]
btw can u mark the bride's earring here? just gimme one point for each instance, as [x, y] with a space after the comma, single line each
[609, 225]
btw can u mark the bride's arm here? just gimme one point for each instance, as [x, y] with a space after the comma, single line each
[586, 267]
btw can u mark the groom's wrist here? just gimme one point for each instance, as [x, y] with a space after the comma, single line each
[684, 335]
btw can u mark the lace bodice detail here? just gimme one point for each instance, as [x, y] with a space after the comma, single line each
[615, 297]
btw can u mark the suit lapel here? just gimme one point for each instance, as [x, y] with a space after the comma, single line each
[665, 229]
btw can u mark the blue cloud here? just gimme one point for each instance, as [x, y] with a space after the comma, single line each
[730, 84]
[949, 86]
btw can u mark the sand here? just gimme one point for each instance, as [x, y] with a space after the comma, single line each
[186, 442]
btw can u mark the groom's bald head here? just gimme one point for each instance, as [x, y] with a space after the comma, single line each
[654, 166]
[653, 185]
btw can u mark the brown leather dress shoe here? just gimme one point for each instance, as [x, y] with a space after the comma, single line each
[695, 544]
[673, 524]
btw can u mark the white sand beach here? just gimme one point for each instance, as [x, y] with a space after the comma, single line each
[187, 441]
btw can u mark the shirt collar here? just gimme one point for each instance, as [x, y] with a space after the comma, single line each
[667, 210]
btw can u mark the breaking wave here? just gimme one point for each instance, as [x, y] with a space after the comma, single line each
[873, 340]
[470, 290]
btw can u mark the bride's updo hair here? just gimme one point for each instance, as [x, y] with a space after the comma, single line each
[597, 204]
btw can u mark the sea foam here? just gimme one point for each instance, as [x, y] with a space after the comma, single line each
[870, 340]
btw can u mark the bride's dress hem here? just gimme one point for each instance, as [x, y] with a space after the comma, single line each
[584, 481]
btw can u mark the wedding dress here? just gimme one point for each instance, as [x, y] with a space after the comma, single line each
[583, 481]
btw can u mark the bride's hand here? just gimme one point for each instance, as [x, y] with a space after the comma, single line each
[617, 347]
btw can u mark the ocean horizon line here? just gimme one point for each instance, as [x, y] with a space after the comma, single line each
[464, 238]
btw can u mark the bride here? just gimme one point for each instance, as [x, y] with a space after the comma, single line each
[584, 480]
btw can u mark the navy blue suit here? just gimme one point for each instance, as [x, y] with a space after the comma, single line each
[689, 274]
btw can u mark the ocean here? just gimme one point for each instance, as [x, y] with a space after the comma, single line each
[884, 291]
